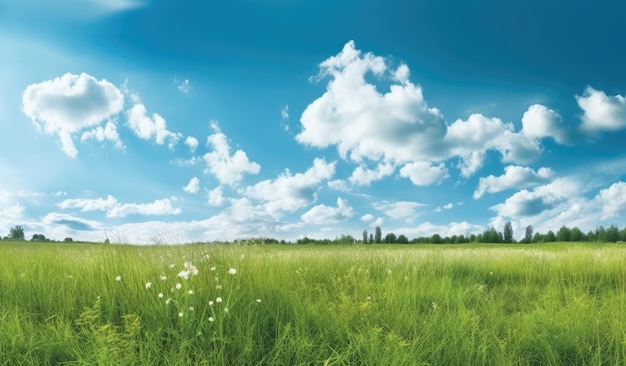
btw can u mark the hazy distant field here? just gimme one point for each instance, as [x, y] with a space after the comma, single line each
[551, 304]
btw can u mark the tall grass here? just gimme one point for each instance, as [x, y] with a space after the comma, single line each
[72, 304]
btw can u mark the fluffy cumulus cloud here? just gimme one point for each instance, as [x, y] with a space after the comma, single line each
[540, 121]
[406, 210]
[115, 209]
[216, 197]
[613, 200]
[514, 177]
[150, 127]
[71, 103]
[192, 143]
[322, 214]
[471, 139]
[398, 127]
[602, 112]
[193, 186]
[108, 132]
[547, 197]
[423, 173]
[228, 169]
[288, 192]
[362, 176]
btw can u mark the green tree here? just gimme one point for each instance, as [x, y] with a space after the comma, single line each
[576, 234]
[564, 234]
[436, 239]
[491, 235]
[16, 233]
[38, 237]
[371, 238]
[612, 234]
[528, 234]
[402, 239]
[364, 236]
[549, 237]
[390, 238]
[68, 240]
[378, 238]
[508, 232]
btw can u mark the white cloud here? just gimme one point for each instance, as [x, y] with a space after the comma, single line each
[192, 143]
[54, 221]
[184, 87]
[362, 176]
[71, 103]
[339, 185]
[423, 173]
[472, 138]
[613, 200]
[367, 218]
[361, 122]
[543, 198]
[322, 214]
[108, 132]
[193, 186]
[447, 206]
[514, 177]
[114, 208]
[226, 168]
[291, 192]
[399, 209]
[601, 111]
[216, 197]
[147, 128]
[285, 113]
[539, 122]
[398, 126]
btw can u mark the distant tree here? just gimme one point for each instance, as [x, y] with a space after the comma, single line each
[436, 239]
[576, 234]
[491, 236]
[16, 233]
[508, 232]
[462, 239]
[371, 238]
[528, 234]
[402, 239]
[379, 235]
[364, 236]
[564, 234]
[549, 237]
[38, 237]
[612, 234]
[390, 238]
[538, 238]
[68, 240]
[591, 236]
[600, 234]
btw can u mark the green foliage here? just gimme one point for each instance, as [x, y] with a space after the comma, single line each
[508, 232]
[74, 304]
[378, 237]
[16, 233]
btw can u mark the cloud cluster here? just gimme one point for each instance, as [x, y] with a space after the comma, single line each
[71, 103]
[602, 112]
[115, 209]
[228, 169]
[150, 127]
[514, 177]
[288, 192]
[322, 214]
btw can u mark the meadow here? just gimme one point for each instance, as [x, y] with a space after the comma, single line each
[211, 304]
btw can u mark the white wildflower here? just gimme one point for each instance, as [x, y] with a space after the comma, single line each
[232, 271]
[211, 319]
[163, 277]
[184, 274]
[258, 300]
[191, 308]
[218, 300]
[180, 315]
[210, 302]
[178, 286]
[190, 292]
[212, 268]
[118, 278]
[148, 284]
[160, 295]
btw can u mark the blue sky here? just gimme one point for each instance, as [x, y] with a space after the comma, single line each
[176, 121]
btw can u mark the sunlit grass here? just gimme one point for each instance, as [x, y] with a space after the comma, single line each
[558, 304]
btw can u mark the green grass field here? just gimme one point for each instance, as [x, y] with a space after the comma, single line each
[87, 304]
